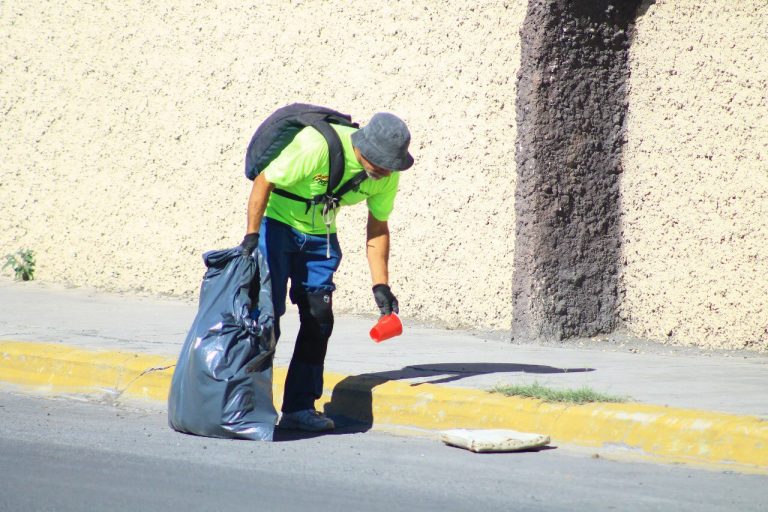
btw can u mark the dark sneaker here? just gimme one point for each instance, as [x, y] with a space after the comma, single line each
[308, 419]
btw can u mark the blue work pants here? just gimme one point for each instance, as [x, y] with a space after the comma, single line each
[302, 259]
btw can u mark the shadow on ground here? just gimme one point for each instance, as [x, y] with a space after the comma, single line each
[351, 405]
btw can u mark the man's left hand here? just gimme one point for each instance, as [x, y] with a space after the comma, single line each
[385, 299]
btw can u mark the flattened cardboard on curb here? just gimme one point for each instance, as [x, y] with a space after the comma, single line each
[493, 440]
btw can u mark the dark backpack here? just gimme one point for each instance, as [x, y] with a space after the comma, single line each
[280, 128]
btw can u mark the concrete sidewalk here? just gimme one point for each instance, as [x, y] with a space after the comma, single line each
[687, 405]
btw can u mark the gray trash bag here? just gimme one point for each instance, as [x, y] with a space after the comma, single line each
[222, 385]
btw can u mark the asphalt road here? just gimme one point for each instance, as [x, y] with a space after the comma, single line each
[69, 455]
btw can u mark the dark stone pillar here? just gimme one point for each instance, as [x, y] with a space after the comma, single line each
[571, 104]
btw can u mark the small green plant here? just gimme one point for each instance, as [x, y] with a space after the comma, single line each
[582, 395]
[22, 263]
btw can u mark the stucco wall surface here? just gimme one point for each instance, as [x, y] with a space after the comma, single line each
[695, 181]
[123, 127]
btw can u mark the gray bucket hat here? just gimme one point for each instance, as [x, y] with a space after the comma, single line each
[384, 142]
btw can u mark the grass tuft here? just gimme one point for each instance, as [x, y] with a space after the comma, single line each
[582, 395]
[22, 263]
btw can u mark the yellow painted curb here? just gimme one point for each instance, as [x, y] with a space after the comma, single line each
[54, 368]
[679, 435]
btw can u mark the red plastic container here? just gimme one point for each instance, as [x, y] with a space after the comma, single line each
[387, 327]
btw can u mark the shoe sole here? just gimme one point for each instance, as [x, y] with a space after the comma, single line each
[289, 425]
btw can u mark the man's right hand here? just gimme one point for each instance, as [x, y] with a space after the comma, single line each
[249, 243]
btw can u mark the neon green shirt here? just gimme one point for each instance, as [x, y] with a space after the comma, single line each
[302, 169]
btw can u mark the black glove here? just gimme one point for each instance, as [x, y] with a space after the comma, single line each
[249, 243]
[384, 299]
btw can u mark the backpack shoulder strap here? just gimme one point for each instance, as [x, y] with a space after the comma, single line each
[352, 184]
[335, 149]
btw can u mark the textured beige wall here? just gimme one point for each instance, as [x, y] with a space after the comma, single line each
[695, 186]
[123, 129]
[124, 125]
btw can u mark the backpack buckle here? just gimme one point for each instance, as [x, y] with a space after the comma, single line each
[330, 203]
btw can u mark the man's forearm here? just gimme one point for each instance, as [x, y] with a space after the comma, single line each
[257, 202]
[377, 250]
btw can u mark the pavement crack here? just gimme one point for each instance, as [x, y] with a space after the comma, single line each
[147, 371]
